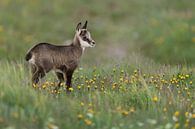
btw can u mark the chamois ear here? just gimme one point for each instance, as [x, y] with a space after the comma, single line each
[78, 26]
[85, 25]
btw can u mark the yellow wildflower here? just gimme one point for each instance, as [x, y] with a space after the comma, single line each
[186, 125]
[80, 116]
[132, 109]
[61, 84]
[126, 81]
[88, 122]
[155, 99]
[125, 113]
[177, 125]
[88, 86]
[90, 104]
[52, 126]
[121, 79]
[46, 83]
[70, 89]
[90, 111]
[82, 104]
[187, 75]
[43, 86]
[186, 114]
[176, 114]
[34, 85]
[193, 115]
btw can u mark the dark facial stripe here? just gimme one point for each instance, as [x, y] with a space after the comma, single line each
[86, 39]
[83, 33]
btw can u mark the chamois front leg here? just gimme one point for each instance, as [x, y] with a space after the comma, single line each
[69, 79]
[60, 79]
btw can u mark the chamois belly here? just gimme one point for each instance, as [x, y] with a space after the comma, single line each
[47, 65]
[67, 66]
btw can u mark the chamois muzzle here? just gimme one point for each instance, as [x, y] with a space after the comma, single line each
[92, 43]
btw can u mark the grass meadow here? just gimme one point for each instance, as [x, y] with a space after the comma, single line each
[139, 75]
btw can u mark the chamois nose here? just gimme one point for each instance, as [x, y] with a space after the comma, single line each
[93, 42]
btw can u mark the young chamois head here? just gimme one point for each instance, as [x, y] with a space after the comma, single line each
[83, 36]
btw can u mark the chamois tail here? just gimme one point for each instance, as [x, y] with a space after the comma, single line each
[28, 56]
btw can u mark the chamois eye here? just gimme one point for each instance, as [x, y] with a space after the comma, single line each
[85, 38]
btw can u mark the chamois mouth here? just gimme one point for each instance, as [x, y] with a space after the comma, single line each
[92, 44]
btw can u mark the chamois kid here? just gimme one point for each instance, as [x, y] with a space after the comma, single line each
[63, 59]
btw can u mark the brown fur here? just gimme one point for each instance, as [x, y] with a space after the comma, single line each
[62, 59]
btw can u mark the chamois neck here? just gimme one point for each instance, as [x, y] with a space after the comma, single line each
[76, 41]
[77, 46]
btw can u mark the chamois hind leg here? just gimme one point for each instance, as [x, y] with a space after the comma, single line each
[69, 79]
[37, 75]
[33, 69]
[60, 79]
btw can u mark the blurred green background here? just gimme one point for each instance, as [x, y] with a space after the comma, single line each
[162, 30]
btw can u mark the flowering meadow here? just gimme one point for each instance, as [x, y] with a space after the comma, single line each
[114, 97]
[140, 74]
